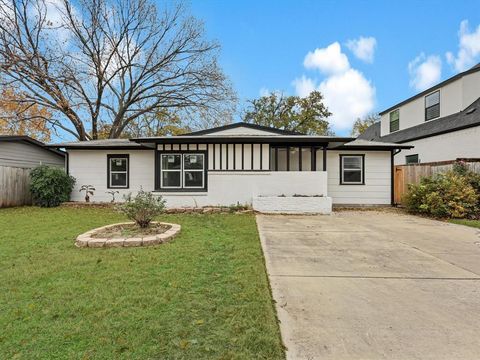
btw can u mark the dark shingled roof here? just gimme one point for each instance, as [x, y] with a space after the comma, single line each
[99, 144]
[464, 119]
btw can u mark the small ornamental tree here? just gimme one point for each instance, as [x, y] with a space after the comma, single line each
[142, 208]
[50, 186]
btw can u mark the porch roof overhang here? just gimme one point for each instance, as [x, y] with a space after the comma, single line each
[360, 144]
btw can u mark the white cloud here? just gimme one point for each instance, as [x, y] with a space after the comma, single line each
[424, 71]
[363, 48]
[469, 48]
[348, 96]
[329, 60]
[303, 86]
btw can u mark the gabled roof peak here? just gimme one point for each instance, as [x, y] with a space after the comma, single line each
[242, 124]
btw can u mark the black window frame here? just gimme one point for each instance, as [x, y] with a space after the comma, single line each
[341, 157]
[412, 156]
[397, 121]
[429, 107]
[158, 171]
[274, 152]
[117, 156]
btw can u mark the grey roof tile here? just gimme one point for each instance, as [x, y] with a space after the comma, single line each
[469, 117]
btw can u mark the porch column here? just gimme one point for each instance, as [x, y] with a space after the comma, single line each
[324, 158]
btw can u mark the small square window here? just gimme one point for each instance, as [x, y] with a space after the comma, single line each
[411, 159]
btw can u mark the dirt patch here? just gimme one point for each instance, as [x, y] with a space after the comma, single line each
[130, 231]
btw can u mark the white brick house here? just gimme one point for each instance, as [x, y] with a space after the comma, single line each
[236, 164]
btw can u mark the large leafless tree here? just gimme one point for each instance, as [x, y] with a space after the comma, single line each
[98, 64]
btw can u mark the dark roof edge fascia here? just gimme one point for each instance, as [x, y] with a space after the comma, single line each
[244, 139]
[32, 141]
[373, 147]
[112, 147]
[433, 88]
[240, 124]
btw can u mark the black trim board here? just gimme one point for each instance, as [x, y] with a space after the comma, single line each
[341, 156]
[113, 156]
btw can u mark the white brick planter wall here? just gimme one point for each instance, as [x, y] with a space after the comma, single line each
[293, 204]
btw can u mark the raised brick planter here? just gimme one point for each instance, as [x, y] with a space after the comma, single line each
[293, 204]
[86, 239]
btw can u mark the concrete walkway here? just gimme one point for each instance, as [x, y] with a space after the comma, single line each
[374, 285]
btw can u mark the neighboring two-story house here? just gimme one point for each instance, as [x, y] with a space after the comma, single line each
[442, 122]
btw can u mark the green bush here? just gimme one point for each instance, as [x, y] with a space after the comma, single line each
[142, 208]
[50, 186]
[443, 195]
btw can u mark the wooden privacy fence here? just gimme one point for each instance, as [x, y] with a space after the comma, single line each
[411, 174]
[14, 186]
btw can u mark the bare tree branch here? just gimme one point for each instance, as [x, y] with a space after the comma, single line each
[110, 62]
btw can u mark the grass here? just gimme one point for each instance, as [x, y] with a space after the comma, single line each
[472, 223]
[203, 296]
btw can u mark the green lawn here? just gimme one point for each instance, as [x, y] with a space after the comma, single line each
[472, 223]
[203, 296]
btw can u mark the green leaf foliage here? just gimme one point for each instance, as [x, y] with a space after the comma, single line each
[50, 186]
[142, 208]
[448, 195]
[306, 115]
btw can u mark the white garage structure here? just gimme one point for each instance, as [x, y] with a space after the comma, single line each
[239, 164]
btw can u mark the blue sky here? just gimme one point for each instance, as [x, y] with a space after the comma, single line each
[265, 45]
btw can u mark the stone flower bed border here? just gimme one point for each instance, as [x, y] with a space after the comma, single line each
[86, 239]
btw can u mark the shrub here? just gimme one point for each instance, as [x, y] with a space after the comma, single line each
[443, 195]
[142, 208]
[50, 186]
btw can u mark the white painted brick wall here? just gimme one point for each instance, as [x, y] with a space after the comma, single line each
[293, 205]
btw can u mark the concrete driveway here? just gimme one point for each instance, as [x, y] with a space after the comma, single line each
[374, 285]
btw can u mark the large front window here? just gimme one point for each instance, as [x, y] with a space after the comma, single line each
[182, 171]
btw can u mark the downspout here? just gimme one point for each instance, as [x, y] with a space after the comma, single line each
[67, 162]
[393, 152]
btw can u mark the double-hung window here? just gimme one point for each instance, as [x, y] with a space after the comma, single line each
[432, 106]
[394, 120]
[182, 171]
[118, 171]
[352, 169]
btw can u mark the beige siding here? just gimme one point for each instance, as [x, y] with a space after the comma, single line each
[377, 179]
[24, 155]
[454, 97]
[450, 146]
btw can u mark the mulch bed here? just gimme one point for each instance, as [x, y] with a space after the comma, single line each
[130, 230]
